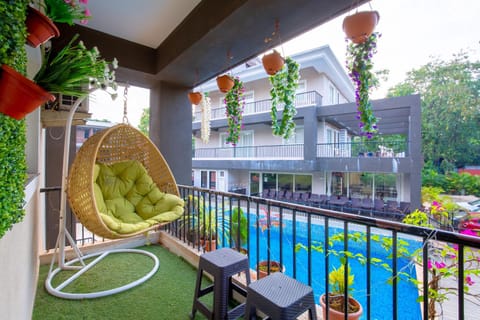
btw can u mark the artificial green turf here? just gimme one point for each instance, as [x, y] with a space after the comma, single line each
[167, 295]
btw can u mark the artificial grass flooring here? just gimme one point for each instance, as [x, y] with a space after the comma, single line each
[167, 295]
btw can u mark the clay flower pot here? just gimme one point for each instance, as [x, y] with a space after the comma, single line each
[195, 97]
[337, 315]
[39, 27]
[225, 83]
[273, 62]
[359, 26]
[20, 95]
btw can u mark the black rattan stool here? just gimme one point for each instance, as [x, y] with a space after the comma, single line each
[279, 297]
[222, 264]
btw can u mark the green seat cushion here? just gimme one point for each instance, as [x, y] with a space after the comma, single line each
[128, 200]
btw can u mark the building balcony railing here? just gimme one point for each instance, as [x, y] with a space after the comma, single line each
[304, 99]
[397, 149]
[287, 151]
[295, 151]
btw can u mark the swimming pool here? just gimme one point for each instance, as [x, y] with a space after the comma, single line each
[381, 291]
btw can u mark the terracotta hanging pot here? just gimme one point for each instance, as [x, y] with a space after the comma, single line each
[359, 26]
[195, 97]
[19, 95]
[39, 27]
[225, 83]
[273, 62]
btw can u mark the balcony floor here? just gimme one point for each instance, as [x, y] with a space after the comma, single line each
[167, 295]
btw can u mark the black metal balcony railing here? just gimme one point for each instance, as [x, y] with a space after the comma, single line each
[296, 235]
[301, 100]
[287, 151]
[396, 149]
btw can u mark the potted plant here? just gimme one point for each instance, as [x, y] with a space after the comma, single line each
[336, 296]
[234, 110]
[239, 229]
[359, 26]
[359, 66]
[273, 62]
[20, 95]
[67, 11]
[266, 267]
[284, 84]
[225, 83]
[75, 69]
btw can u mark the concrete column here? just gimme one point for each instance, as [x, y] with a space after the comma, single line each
[310, 126]
[171, 128]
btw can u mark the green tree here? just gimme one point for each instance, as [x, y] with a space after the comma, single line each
[144, 124]
[450, 93]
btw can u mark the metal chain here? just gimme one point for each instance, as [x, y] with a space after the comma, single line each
[125, 100]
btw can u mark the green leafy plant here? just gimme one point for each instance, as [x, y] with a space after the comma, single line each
[67, 11]
[284, 85]
[239, 226]
[442, 264]
[234, 110]
[13, 35]
[75, 69]
[360, 67]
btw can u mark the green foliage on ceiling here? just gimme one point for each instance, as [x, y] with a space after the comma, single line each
[12, 132]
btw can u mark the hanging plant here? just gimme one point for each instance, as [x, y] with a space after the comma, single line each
[234, 110]
[206, 109]
[359, 65]
[284, 84]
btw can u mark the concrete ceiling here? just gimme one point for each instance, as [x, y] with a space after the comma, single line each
[186, 42]
[146, 22]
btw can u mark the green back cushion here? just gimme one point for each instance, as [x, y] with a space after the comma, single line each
[129, 200]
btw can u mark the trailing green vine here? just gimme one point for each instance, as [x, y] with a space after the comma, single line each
[12, 132]
[284, 86]
[234, 110]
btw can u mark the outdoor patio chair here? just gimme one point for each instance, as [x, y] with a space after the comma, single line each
[314, 200]
[265, 193]
[379, 207]
[297, 197]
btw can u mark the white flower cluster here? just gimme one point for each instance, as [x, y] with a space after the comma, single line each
[206, 108]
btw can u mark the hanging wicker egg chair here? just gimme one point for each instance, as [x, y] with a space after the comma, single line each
[119, 143]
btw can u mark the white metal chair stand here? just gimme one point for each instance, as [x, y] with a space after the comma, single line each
[63, 235]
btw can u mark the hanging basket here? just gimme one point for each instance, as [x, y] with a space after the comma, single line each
[225, 83]
[19, 95]
[359, 26]
[39, 27]
[195, 97]
[273, 62]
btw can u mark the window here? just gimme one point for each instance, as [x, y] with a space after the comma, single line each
[244, 147]
[285, 182]
[254, 184]
[333, 94]
[249, 98]
[297, 137]
[203, 179]
[303, 183]
[213, 180]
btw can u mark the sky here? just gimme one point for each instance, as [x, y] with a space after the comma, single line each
[413, 33]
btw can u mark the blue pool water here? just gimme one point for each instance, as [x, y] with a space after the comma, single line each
[381, 291]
